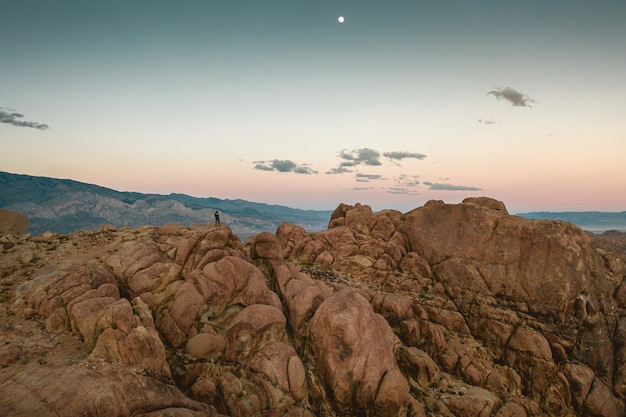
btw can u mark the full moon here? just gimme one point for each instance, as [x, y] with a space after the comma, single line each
[340, 19]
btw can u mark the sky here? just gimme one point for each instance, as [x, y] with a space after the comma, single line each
[278, 102]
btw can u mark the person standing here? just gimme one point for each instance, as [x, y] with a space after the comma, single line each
[217, 217]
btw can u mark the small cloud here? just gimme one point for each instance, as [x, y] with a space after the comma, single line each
[339, 170]
[363, 156]
[283, 166]
[362, 188]
[407, 180]
[449, 187]
[402, 155]
[11, 117]
[513, 96]
[367, 177]
[401, 191]
[487, 121]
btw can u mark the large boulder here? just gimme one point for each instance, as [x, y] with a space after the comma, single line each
[354, 352]
[476, 248]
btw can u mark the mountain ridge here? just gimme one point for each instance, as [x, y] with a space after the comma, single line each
[580, 217]
[65, 205]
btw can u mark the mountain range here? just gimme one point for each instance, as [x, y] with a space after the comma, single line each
[594, 221]
[64, 206]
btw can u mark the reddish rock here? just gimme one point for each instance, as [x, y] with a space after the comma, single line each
[253, 325]
[353, 348]
[478, 312]
[92, 389]
[13, 223]
[266, 246]
[480, 250]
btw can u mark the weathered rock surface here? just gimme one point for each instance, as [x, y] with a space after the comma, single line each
[13, 223]
[447, 310]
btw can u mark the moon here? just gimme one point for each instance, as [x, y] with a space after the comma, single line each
[340, 19]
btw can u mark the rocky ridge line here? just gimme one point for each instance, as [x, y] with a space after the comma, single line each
[447, 310]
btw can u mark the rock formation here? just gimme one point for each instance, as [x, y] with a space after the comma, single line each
[13, 223]
[447, 310]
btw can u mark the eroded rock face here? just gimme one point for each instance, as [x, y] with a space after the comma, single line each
[354, 351]
[450, 309]
[509, 257]
[503, 279]
[101, 389]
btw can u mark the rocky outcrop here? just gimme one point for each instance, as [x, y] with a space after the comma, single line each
[13, 223]
[450, 310]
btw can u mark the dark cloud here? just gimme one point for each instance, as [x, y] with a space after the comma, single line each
[402, 155]
[9, 116]
[363, 156]
[367, 177]
[513, 96]
[283, 166]
[449, 187]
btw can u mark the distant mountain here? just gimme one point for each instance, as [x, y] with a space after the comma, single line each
[593, 221]
[64, 206]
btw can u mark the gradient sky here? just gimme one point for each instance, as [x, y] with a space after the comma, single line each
[278, 102]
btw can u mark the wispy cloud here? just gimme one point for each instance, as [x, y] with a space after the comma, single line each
[339, 170]
[401, 191]
[487, 121]
[10, 116]
[403, 155]
[407, 180]
[449, 187]
[513, 96]
[362, 188]
[367, 177]
[283, 166]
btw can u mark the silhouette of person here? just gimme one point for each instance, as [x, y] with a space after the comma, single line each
[217, 217]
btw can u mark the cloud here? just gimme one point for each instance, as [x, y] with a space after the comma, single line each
[487, 122]
[449, 187]
[401, 191]
[368, 177]
[407, 180]
[402, 155]
[283, 166]
[513, 96]
[363, 156]
[339, 170]
[9, 116]
[362, 188]
[369, 157]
